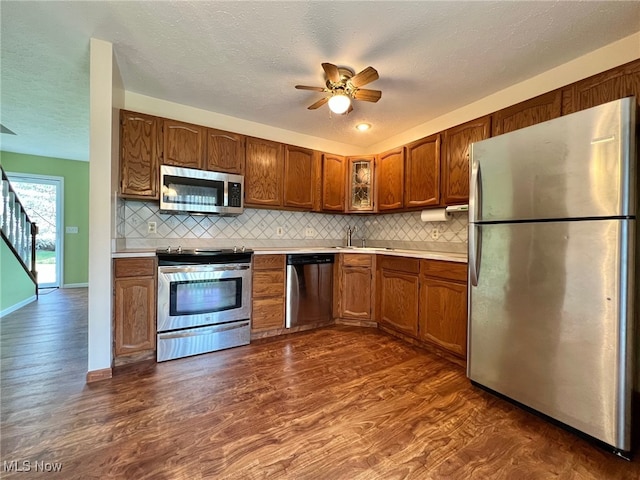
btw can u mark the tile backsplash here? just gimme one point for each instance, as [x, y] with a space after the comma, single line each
[275, 228]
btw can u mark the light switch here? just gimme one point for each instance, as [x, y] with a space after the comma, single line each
[71, 230]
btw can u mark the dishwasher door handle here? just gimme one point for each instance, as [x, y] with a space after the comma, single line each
[293, 296]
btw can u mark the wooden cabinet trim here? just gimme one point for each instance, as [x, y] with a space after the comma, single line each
[443, 269]
[134, 267]
[400, 264]
[268, 262]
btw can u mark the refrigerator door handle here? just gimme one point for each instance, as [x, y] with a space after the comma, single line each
[474, 253]
[475, 189]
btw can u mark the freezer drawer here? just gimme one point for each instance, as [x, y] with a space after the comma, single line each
[550, 321]
[193, 341]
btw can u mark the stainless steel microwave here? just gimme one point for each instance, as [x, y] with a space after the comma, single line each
[188, 190]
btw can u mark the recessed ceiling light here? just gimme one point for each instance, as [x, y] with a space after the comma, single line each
[363, 127]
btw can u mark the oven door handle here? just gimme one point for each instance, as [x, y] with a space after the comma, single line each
[196, 332]
[202, 268]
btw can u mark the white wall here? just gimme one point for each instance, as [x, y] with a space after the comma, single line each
[100, 203]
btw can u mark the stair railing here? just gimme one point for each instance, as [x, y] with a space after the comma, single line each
[18, 231]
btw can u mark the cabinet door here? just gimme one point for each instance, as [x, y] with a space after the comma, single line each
[390, 179]
[619, 82]
[455, 170]
[263, 173]
[360, 184]
[443, 314]
[356, 293]
[422, 172]
[524, 114]
[183, 144]
[135, 314]
[139, 143]
[225, 152]
[398, 307]
[333, 188]
[299, 169]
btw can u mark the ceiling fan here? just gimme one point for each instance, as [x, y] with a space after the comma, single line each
[343, 86]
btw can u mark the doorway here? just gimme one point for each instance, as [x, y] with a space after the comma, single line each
[42, 198]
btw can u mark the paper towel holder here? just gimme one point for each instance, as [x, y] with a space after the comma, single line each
[457, 208]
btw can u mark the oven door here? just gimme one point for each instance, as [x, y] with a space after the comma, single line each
[197, 295]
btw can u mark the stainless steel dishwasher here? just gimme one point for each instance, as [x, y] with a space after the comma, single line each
[309, 288]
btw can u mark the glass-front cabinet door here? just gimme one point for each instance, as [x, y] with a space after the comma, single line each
[360, 184]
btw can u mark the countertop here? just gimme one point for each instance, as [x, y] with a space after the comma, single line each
[431, 255]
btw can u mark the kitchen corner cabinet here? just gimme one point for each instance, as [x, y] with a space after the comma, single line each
[134, 305]
[354, 289]
[619, 82]
[398, 294]
[333, 183]
[443, 305]
[224, 152]
[422, 173]
[268, 292]
[263, 173]
[455, 167]
[299, 177]
[360, 174]
[524, 114]
[140, 149]
[183, 144]
[390, 180]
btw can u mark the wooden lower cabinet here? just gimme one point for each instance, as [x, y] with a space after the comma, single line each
[268, 299]
[134, 290]
[443, 305]
[398, 284]
[354, 288]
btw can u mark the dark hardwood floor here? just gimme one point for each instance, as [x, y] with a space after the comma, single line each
[334, 403]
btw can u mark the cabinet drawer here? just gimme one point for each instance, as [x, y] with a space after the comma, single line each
[266, 262]
[134, 267]
[441, 269]
[356, 260]
[401, 264]
[267, 313]
[268, 283]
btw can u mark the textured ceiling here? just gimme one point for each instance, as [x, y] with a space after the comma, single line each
[243, 59]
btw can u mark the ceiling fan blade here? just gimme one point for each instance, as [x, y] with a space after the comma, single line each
[332, 72]
[367, 95]
[318, 104]
[367, 75]
[315, 89]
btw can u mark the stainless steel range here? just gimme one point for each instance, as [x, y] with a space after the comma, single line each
[204, 300]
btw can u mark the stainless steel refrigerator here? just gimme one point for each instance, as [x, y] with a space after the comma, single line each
[552, 234]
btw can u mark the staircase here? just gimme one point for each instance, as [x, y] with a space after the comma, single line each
[18, 231]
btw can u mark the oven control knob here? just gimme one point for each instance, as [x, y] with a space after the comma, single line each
[179, 248]
[235, 249]
[243, 248]
[169, 249]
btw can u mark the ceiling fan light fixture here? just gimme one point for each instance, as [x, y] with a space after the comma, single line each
[363, 127]
[339, 103]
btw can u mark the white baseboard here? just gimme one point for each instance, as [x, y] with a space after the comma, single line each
[17, 306]
[76, 285]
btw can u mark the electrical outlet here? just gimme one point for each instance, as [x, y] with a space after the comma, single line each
[442, 227]
[71, 230]
[310, 232]
[279, 231]
[151, 227]
[435, 233]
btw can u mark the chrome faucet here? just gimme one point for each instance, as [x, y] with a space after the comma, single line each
[350, 232]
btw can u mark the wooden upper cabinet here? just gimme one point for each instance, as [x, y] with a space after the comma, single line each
[263, 173]
[183, 144]
[422, 172]
[225, 152]
[524, 114]
[390, 179]
[141, 147]
[360, 173]
[299, 177]
[455, 168]
[333, 178]
[619, 82]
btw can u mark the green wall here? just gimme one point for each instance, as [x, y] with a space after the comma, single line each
[15, 284]
[76, 206]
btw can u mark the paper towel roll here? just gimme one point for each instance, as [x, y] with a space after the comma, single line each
[435, 215]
